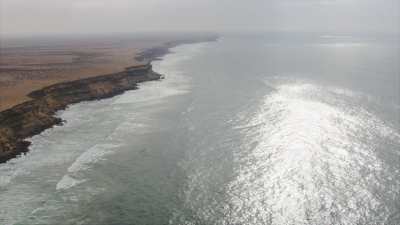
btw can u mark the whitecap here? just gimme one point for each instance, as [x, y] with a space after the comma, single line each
[68, 182]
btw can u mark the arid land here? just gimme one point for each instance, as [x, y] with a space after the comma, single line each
[38, 81]
[27, 64]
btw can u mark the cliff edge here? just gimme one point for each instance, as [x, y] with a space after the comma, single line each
[34, 116]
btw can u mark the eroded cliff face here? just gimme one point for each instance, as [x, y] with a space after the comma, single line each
[32, 117]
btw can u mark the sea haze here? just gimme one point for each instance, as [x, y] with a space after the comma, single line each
[251, 129]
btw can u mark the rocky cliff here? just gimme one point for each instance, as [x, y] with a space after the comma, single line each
[32, 117]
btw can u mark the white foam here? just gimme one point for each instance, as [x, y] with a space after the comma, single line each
[149, 93]
[68, 182]
[62, 157]
[83, 163]
[176, 82]
[93, 155]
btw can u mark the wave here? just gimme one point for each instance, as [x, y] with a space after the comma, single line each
[83, 163]
[93, 132]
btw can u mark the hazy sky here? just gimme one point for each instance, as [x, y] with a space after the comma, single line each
[92, 16]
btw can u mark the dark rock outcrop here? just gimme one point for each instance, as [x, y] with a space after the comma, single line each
[34, 116]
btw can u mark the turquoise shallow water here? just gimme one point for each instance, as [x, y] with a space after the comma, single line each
[272, 129]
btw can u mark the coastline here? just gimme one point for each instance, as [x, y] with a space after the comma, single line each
[34, 116]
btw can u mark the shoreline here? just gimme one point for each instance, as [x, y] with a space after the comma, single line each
[34, 116]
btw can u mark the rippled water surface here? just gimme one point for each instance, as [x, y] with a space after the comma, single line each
[273, 129]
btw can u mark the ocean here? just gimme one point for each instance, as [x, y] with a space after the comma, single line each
[276, 128]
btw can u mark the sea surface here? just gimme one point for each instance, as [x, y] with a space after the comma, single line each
[273, 129]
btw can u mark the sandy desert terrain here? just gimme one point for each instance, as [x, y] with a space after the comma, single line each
[27, 65]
